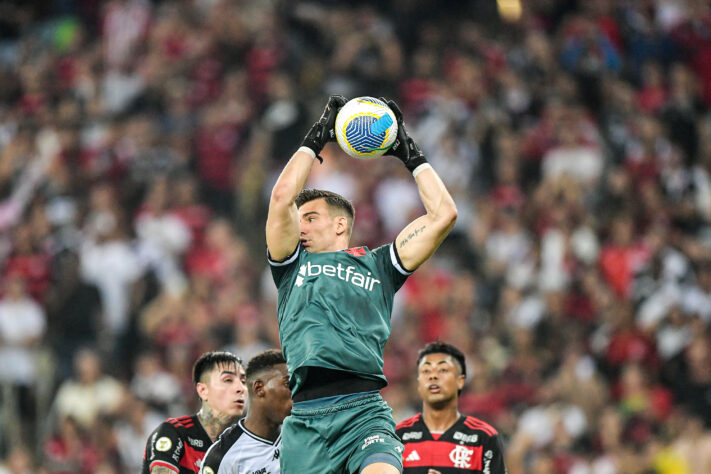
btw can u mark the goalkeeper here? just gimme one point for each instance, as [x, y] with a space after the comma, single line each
[334, 308]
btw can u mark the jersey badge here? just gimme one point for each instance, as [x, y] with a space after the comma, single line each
[461, 456]
[164, 444]
[356, 251]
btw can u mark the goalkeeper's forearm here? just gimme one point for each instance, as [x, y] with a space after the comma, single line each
[440, 207]
[293, 177]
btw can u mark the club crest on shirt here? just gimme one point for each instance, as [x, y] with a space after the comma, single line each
[461, 456]
[356, 251]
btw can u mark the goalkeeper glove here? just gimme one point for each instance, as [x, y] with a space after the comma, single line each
[322, 131]
[404, 148]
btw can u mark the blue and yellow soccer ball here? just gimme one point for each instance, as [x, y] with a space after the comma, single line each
[365, 127]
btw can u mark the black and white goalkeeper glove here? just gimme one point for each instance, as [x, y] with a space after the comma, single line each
[404, 148]
[322, 131]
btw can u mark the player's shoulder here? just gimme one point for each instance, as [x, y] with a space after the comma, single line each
[167, 427]
[409, 422]
[231, 434]
[222, 446]
[474, 424]
[286, 261]
[182, 423]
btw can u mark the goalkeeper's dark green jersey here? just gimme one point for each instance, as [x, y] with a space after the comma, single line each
[334, 309]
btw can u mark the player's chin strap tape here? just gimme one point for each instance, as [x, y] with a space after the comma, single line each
[310, 152]
[420, 169]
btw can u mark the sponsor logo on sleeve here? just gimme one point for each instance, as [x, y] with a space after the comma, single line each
[176, 452]
[372, 440]
[487, 461]
[163, 444]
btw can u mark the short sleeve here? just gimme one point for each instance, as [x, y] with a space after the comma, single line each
[281, 268]
[389, 263]
[495, 455]
[165, 448]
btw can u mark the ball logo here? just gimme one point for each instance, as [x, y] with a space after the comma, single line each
[164, 444]
[461, 456]
[208, 470]
[365, 127]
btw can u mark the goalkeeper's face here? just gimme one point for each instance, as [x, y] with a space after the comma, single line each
[319, 229]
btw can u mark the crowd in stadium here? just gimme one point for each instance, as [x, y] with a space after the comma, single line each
[139, 141]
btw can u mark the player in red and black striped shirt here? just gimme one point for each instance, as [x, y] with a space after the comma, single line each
[178, 445]
[440, 440]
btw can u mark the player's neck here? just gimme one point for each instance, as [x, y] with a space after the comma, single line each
[214, 422]
[335, 247]
[440, 419]
[261, 426]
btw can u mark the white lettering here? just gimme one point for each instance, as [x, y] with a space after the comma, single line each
[371, 440]
[412, 435]
[347, 274]
[313, 270]
[459, 436]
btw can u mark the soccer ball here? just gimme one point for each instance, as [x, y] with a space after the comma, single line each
[365, 127]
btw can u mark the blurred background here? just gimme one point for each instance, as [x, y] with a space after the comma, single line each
[139, 141]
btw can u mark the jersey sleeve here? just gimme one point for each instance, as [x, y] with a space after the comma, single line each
[282, 268]
[389, 262]
[165, 448]
[495, 455]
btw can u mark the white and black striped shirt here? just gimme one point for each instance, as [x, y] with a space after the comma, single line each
[239, 451]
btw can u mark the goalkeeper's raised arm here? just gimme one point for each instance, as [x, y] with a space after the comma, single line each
[282, 230]
[419, 239]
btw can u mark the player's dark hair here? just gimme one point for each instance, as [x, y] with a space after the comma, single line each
[439, 347]
[209, 360]
[334, 201]
[263, 361]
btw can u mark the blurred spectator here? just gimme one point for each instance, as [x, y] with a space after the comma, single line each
[693, 384]
[89, 393]
[22, 325]
[69, 450]
[109, 262]
[155, 386]
[74, 309]
[133, 429]
[17, 461]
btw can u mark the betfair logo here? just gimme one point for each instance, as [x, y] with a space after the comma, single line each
[347, 274]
